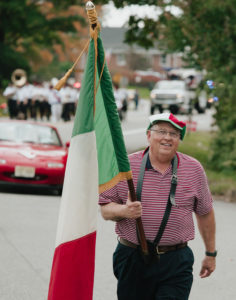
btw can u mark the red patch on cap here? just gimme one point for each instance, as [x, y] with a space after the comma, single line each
[176, 121]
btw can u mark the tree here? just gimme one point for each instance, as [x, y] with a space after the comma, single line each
[205, 32]
[27, 26]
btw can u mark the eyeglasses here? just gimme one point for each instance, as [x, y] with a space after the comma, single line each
[163, 133]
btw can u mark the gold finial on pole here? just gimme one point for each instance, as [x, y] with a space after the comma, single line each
[90, 5]
[93, 19]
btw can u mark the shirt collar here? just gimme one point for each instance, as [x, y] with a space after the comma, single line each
[148, 163]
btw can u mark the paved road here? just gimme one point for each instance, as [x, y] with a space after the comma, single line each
[27, 234]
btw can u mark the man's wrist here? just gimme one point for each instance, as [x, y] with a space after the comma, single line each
[212, 254]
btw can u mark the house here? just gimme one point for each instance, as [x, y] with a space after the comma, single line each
[134, 64]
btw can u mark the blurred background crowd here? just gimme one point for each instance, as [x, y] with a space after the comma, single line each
[39, 100]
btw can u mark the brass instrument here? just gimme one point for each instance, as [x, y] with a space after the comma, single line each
[19, 77]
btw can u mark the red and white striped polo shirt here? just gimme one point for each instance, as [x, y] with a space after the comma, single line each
[192, 195]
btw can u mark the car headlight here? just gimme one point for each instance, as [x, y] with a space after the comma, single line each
[2, 161]
[180, 96]
[153, 95]
[55, 165]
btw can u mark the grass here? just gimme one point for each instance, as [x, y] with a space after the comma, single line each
[221, 184]
[197, 145]
[144, 93]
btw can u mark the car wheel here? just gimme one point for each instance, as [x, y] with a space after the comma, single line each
[174, 109]
[152, 110]
[57, 192]
[160, 109]
[199, 109]
[208, 105]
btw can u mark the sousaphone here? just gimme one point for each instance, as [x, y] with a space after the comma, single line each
[19, 77]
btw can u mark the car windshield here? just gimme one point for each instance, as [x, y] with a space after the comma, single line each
[28, 133]
[170, 85]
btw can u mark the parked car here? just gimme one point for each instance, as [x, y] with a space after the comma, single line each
[31, 155]
[172, 95]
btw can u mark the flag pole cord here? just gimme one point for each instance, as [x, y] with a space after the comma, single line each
[94, 29]
[64, 79]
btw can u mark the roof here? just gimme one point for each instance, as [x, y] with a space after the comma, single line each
[113, 39]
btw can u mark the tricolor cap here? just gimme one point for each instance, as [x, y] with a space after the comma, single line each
[168, 117]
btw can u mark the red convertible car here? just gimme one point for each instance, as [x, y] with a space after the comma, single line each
[31, 154]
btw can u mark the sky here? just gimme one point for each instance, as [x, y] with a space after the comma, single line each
[113, 17]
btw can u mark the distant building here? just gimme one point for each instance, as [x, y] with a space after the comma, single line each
[135, 64]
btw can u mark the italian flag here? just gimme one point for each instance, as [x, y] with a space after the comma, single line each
[97, 160]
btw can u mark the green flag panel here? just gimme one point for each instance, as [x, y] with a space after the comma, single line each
[84, 119]
[110, 142]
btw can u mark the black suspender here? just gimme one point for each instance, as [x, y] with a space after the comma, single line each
[171, 199]
[140, 177]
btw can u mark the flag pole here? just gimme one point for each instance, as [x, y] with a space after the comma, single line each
[141, 234]
[94, 29]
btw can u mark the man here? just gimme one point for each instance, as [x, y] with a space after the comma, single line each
[54, 100]
[121, 101]
[169, 276]
[24, 96]
[65, 94]
[11, 94]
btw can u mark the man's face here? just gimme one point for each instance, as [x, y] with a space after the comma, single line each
[163, 139]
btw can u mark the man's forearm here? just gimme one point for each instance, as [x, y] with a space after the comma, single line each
[112, 211]
[116, 212]
[207, 228]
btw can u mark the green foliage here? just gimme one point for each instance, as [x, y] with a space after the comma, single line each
[46, 73]
[224, 144]
[27, 25]
[9, 61]
[143, 36]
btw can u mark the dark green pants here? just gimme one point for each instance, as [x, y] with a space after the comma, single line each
[170, 278]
